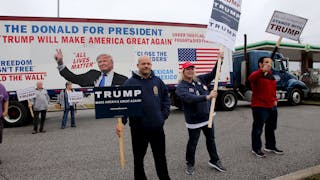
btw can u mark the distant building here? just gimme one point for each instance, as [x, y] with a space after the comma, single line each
[307, 55]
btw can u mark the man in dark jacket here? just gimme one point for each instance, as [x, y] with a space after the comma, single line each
[102, 78]
[264, 107]
[193, 92]
[149, 127]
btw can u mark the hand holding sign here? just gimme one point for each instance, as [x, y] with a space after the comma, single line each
[213, 94]
[221, 55]
[265, 68]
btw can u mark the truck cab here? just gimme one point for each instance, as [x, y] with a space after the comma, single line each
[289, 88]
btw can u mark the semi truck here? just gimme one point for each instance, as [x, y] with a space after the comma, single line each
[289, 88]
[28, 44]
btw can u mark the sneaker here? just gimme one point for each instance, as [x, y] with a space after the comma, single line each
[73, 126]
[43, 131]
[34, 132]
[258, 153]
[218, 166]
[189, 170]
[274, 150]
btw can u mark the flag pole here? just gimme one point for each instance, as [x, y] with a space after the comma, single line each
[58, 8]
[215, 88]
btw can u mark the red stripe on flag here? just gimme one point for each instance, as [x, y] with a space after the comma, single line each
[215, 49]
[208, 60]
[207, 52]
[204, 64]
[206, 56]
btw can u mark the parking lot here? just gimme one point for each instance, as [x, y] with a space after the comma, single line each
[91, 150]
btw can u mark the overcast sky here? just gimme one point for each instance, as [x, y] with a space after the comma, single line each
[254, 18]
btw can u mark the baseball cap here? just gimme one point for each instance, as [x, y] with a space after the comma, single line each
[187, 64]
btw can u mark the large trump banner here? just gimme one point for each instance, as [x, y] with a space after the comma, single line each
[224, 22]
[28, 44]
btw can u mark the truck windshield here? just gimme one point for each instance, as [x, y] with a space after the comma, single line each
[278, 65]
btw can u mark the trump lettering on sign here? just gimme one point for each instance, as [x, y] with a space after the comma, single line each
[118, 101]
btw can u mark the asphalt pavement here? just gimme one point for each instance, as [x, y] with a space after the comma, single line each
[91, 150]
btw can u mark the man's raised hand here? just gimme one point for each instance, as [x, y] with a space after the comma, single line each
[59, 57]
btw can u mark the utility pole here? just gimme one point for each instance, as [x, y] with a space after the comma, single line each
[58, 8]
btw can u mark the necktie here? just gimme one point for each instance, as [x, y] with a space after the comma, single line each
[103, 80]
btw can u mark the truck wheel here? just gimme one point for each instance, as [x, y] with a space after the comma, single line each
[17, 114]
[295, 97]
[227, 100]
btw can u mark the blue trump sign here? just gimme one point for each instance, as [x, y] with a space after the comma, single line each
[118, 101]
[224, 22]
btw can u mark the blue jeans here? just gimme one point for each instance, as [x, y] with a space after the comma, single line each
[65, 117]
[261, 116]
[194, 135]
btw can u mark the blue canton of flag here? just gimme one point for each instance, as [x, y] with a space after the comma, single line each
[187, 54]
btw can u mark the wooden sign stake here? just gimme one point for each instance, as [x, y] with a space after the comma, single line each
[215, 88]
[121, 145]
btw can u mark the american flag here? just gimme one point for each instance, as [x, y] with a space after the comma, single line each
[204, 59]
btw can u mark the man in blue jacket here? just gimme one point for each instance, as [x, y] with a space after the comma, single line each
[193, 92]
[149, 127]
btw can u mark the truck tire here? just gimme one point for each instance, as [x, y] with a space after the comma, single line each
[17, 114]
[227, 100]
[295, 97]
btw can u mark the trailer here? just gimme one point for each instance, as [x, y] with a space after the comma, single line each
[28, 44]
